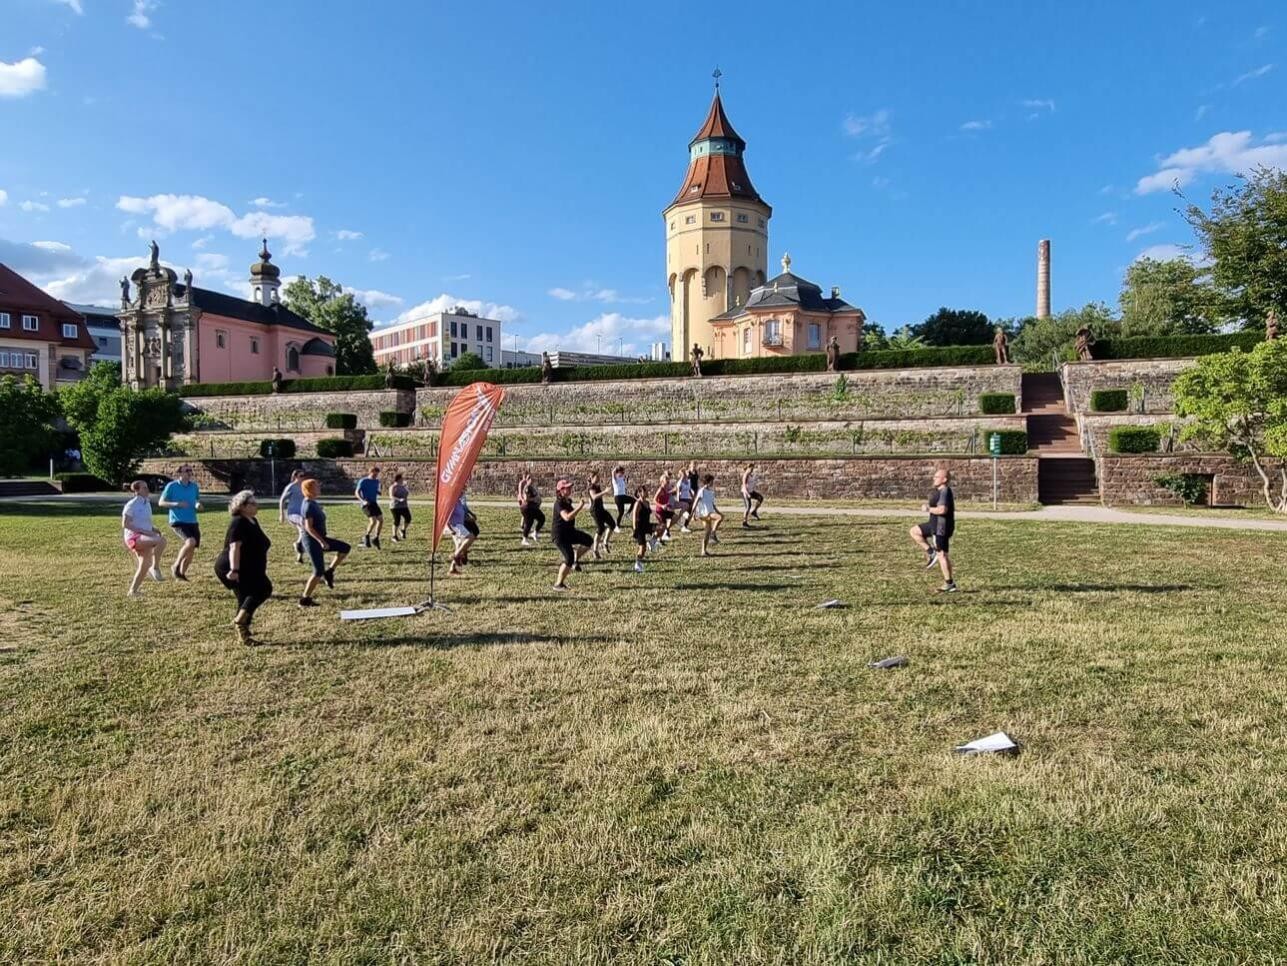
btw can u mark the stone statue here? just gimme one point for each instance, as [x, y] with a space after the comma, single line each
[390, 377]
[1001, 346]
[833, 355]
[547, 369]
[125, 290]
[154, 261]
[187, 283]
[277, 379]
[429, 369]
[1271, 325]
[696, 355]
[1085, 341]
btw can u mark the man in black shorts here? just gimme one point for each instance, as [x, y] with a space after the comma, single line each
[368, 495]
[934, 536]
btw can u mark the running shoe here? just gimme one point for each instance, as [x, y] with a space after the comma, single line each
[948, 588]
[527, 542]
[395, 538]
[745, 525]
[307, 602]
[174, 572]
[638, 567]
[931, 558]
[562, 588]
[755, 514]
[665, 538]
[685, 530]
[155, 574]
[376, 542]
[366, 542]
[328, 577]
[133, 593]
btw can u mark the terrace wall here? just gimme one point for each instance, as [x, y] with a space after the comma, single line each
[1129, 480]
[1154, 376]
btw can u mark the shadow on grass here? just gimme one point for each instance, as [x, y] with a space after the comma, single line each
[429, 638]
[731, 586]
[1102, 588]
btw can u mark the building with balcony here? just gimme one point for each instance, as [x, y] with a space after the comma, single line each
[442, 337]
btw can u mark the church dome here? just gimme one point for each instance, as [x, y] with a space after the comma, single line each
[264, 268]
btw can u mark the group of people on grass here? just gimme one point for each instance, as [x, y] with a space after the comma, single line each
[242, 564]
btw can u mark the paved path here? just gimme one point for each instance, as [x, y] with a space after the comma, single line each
[1049, 514]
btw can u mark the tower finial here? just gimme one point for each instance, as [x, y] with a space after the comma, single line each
[717, 74]
[263, 252]
[786, 262]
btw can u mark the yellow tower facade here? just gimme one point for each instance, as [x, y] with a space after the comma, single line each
[717, 236]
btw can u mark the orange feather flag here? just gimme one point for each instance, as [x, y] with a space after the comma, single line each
[465, 426]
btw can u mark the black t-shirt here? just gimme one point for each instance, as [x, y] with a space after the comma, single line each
[643, 515]
[944, 523]
[254, 546]
[596, 497]
[561, 527]
[693, 482]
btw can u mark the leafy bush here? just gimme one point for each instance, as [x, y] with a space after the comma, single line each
[391, 417]
[1133, 439]
[1189, 487]
[1014, 442]
[282, 449]
[27, 413]
[126, 426]
[996, 403]
[1175, 346]
[1108, 400]
[467, 361]
[330, 449]
[341, 420]
[316, 384]
[81, 483]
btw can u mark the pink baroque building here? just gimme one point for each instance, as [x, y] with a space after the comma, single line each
[175, 333]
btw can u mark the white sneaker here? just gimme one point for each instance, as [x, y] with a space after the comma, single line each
[155, 574]
[665, 538]
[526, 542]
[685, 530]
[132, 593]
[638, 567]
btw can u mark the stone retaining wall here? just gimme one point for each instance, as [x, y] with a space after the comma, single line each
[1129, 480]
[290, 412]
[796, 397]
[830, 479]
[1094, 429]
[1153, 377]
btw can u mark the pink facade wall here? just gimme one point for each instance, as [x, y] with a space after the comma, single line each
[235, 361]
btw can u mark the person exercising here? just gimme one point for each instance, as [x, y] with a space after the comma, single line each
[934, 535]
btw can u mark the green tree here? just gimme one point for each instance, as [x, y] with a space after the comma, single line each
[468, 361]
[955, 327]
[329, 307]
[1037, 341]
[1165, 297]
[1238, 402]
[27, 413]
[905, 338]
[1245, 238]
[126, 427]
[79, 401]
[873, 337]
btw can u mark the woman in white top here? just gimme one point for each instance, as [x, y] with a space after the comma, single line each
[142, 538]
[704, 510]
[620, 495]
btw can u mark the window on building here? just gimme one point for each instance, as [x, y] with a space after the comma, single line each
[453, 328]
[742, 219]
[773, 332]
[30, 323]
[254, 346]
[221, 339]
[292, 359]
[478, 333]
[489, 333]
[487, 353]
[69, 330]
[4, 360]
[717, 216]
[746, 341]
[815, 335]
[258, 292]
[690, 220]
[32, 361]
[455, 349]
[102, 342]
[330, 370]
[4, 320]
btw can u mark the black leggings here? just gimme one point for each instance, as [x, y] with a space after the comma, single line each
[401, 517]
[624, 503]
[250, 592]
[602, 518]
[533, 520]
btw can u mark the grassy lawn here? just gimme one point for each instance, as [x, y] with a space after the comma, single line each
[690, 766]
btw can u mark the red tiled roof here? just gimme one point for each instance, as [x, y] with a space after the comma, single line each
[716, 125]
[717, 175]
[18, 297]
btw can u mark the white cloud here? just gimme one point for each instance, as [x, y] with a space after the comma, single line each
[875, 129]
[203, 241]
[96, 282]
[35, 51]
[1201, 112]
[374, 299]
[610, 332]
[1149, 229]
[196, 213]
[267, 203]
[1260, 71]
[976, 126]
[212, 262]
[1107, 218]
[51, 246]
[565, 294]
[141, 15]
[4, 197]
[347, 234]
[456, 278]
[1228, 153]
[74, 4]
[21, 78]
[592, 293]
[33, 206]
[377, 255]
[488, 310]
[70, 202]
[1164, 253]
[1039, 104]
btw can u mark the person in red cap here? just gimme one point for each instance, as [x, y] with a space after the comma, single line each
[572, 543]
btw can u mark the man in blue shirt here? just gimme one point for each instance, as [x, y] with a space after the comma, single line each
[368, 494]
[290, 509]
[180, 497]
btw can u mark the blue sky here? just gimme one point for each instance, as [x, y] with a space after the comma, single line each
[518, 156]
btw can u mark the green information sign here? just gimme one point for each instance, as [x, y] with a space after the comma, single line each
[994, 444]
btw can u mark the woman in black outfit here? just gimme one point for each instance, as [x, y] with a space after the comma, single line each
[572, 543]
[242, 565]
[603, 525]
[529, 505]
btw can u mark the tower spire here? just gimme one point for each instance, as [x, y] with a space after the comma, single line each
[717, 74]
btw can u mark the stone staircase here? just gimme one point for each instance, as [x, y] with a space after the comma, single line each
[27, 488]
[1064, 474]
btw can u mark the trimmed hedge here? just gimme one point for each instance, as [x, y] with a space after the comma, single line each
[341, 420]
[330, 449]
[1176, 346]
[391, 417]
[1108, 400]
[1133, 439]
[281, 449]
[82, 483]
[996, 403]
[317, 384]
[1014, 442]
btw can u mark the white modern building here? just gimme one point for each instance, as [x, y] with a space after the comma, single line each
[104, 328]
[443, 336]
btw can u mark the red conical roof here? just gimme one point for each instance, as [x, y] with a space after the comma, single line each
[717, 124]
[716, 173]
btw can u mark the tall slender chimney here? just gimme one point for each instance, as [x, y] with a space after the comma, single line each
[1043, 278]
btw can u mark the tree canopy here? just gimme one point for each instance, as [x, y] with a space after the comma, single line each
[955, 327]
[1238, 402]
[1166, 297]
[27, 413]
[1244, 236]
[468, 360]
[1036, 340]
[329, 307]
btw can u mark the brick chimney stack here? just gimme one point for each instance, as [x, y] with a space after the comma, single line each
[1043, 279]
